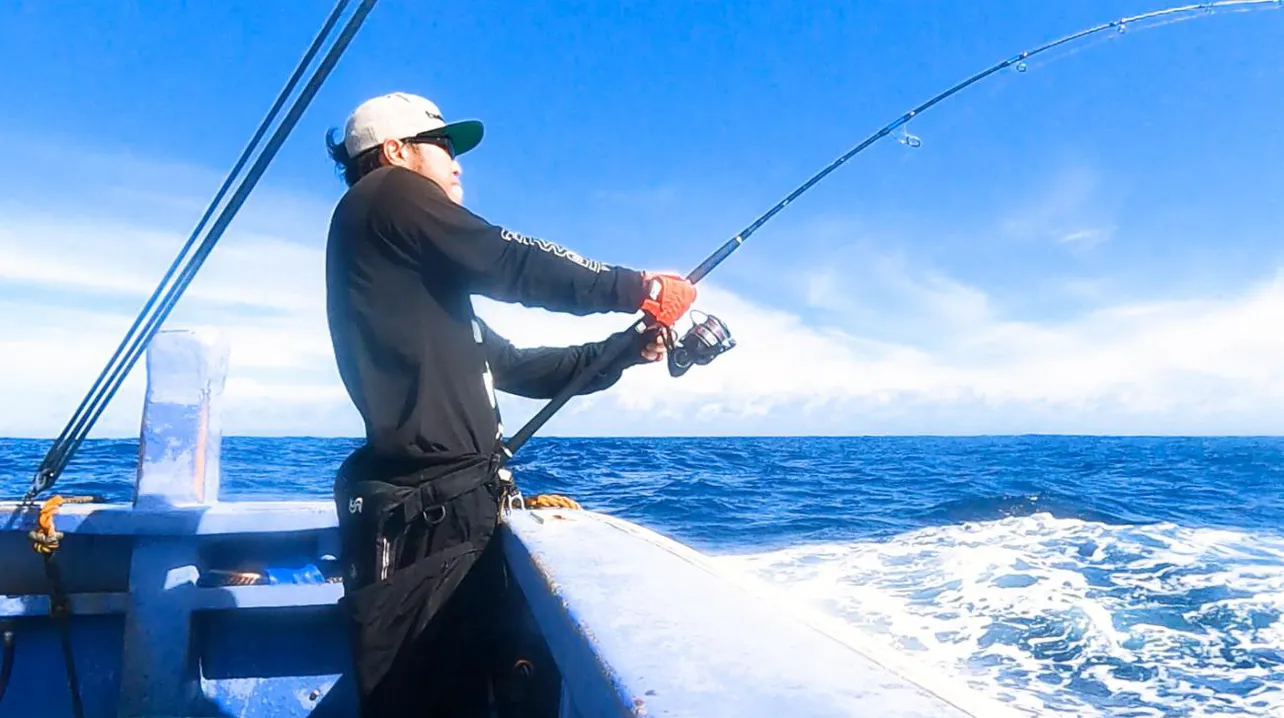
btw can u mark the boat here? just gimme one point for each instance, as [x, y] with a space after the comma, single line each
[181, 604]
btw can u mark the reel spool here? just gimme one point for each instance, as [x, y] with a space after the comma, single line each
[702, 343]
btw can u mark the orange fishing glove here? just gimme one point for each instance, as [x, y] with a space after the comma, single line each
[668, 297]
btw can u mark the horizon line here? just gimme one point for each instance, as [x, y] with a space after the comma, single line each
[1083, 435]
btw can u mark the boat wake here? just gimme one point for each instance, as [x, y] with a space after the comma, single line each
[1054, 614]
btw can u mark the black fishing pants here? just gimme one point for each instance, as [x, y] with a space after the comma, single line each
[422, 580]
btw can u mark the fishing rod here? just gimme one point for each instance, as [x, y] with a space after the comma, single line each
[133, 345]
[714, 327]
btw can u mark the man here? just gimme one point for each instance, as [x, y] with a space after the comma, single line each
[419, 501]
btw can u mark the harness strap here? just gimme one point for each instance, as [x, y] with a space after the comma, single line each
[428, 500]
[417, 494]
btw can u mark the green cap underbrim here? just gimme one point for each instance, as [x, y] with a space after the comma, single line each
[464, 135]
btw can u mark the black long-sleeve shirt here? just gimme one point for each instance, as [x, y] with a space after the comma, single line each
[402, 262]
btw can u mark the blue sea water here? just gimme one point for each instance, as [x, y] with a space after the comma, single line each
[1065, 575]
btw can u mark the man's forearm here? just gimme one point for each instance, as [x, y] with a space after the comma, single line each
[542, 372]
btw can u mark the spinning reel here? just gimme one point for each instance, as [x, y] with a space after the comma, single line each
[702, 343]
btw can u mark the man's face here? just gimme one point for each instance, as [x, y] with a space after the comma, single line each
[431, 159]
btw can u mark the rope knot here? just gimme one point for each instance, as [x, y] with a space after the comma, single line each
[552, 501]
[45, 537]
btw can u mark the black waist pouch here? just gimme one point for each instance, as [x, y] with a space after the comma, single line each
[406, 548]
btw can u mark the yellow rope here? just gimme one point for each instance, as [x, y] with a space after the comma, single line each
[45, 537]
[552, 501]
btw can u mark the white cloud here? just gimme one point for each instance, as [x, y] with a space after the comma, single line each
[70, 290]
[1185, 366]
[909, 351]
[1087, 237]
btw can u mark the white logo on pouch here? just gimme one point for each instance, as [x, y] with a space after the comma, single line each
[354, 505]
[551, 248]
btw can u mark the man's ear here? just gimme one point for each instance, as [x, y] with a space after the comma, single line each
[391, 150]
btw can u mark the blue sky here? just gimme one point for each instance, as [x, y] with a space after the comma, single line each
[1088, 246]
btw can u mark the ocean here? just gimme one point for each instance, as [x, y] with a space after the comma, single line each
[1078, 576]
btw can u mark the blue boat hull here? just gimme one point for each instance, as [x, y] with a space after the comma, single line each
[151, 637]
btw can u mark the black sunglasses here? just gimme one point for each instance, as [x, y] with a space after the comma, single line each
[441, 141]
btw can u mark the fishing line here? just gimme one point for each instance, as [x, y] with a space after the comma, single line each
[1036, 64]
[899, 129]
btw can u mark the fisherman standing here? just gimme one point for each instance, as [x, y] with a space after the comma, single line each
[418, 503]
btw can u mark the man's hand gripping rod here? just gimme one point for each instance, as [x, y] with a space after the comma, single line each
[606, 359]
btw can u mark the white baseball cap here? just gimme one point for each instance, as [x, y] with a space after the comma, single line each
[398, 116]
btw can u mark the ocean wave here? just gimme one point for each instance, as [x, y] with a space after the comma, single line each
[1062, 614]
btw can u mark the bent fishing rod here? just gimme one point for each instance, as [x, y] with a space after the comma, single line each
[141, 332]
[1018, 61]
